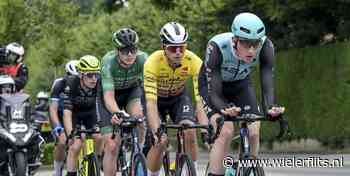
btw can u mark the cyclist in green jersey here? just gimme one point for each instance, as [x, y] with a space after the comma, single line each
[121, 77]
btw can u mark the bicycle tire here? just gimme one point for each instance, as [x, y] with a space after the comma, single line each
[93, 166]
[183, 163]
[251, 171]
[206, 169]
[139, 165]
[82, 171]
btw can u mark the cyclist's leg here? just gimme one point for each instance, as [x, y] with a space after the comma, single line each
[59, 151]
[245, 99]
[221, 146]
[74, 148]
[184, 113]
[155, 154]
[134, 107]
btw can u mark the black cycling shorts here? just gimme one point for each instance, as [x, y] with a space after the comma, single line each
[86, 118]
[123, 97]
[241, 93]
[178, 108]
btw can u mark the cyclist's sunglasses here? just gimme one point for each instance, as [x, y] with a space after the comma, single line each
[127, 50]
[92, 75]
[246, 43]
[176, 48]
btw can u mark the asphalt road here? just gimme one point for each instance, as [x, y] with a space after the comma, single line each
[309, 166]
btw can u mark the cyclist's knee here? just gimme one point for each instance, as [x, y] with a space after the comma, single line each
[226, 133]
[75, 148]
[112, 146]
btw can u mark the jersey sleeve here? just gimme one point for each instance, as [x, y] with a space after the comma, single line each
[150, 72]
[106, 74]
[141, 63]
[56, 89]
[213, 61]
[196, 66]
[267, 59]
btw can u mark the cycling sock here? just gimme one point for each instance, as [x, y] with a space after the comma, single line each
[150, 173]
[210, 174]
[195, 164]
[58, 166]
[71, 173]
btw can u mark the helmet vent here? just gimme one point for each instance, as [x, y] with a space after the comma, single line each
[177, 29]
[260, 30]
[245, 30]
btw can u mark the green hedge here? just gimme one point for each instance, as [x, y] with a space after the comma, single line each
[313, 84]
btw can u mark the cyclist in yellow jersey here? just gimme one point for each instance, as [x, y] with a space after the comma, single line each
[165, 74]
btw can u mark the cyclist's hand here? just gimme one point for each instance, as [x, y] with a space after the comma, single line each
[58, 130]
[117, 117]
[275, 112]
[231, 111]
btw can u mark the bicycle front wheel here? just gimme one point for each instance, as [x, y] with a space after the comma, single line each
[185, 167]
[94, 166]
[251, 171]
[139, 165]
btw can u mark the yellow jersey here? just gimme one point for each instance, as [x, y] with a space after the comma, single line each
[163, 81]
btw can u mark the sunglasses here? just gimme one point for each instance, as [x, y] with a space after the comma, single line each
[127, 50]
[246, 43]
[176, 48]
[92, 75]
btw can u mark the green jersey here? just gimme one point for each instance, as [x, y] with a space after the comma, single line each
[116, 77]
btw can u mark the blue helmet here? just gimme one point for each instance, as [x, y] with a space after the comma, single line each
[248, 26]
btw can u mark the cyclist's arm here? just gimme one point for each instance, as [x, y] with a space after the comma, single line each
[53, 109]
[108, 88]
[21, 78]
[152, 115]
[150, 87]
[201, 116]
[67, 120]
[56, 90]
[267, 59]
[68, 108]
[212, 63]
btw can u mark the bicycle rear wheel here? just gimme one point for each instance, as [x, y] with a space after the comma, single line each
[139, 165]
[185, 167]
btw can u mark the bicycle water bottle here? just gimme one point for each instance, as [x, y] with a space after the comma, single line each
[230, 172]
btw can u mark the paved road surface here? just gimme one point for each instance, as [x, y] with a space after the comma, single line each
[277, 171]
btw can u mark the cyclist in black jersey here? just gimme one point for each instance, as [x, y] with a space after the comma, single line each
[225, 84]
[80, 107]
[56, 116]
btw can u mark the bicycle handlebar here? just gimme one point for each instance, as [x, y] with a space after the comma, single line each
[129, 122]
[283, 124]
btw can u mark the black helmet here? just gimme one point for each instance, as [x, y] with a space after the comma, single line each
[125, 37]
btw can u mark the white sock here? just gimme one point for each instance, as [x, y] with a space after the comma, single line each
[150, 173]
[58, 165]
[195, 165]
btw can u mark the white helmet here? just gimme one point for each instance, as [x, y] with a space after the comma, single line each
[42, 95]
[7, 84]
[15, 48]
[173, 33]
[71, 67]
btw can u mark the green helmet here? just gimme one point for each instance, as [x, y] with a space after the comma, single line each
[125, 37]
[248, 26]
[88, 63]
